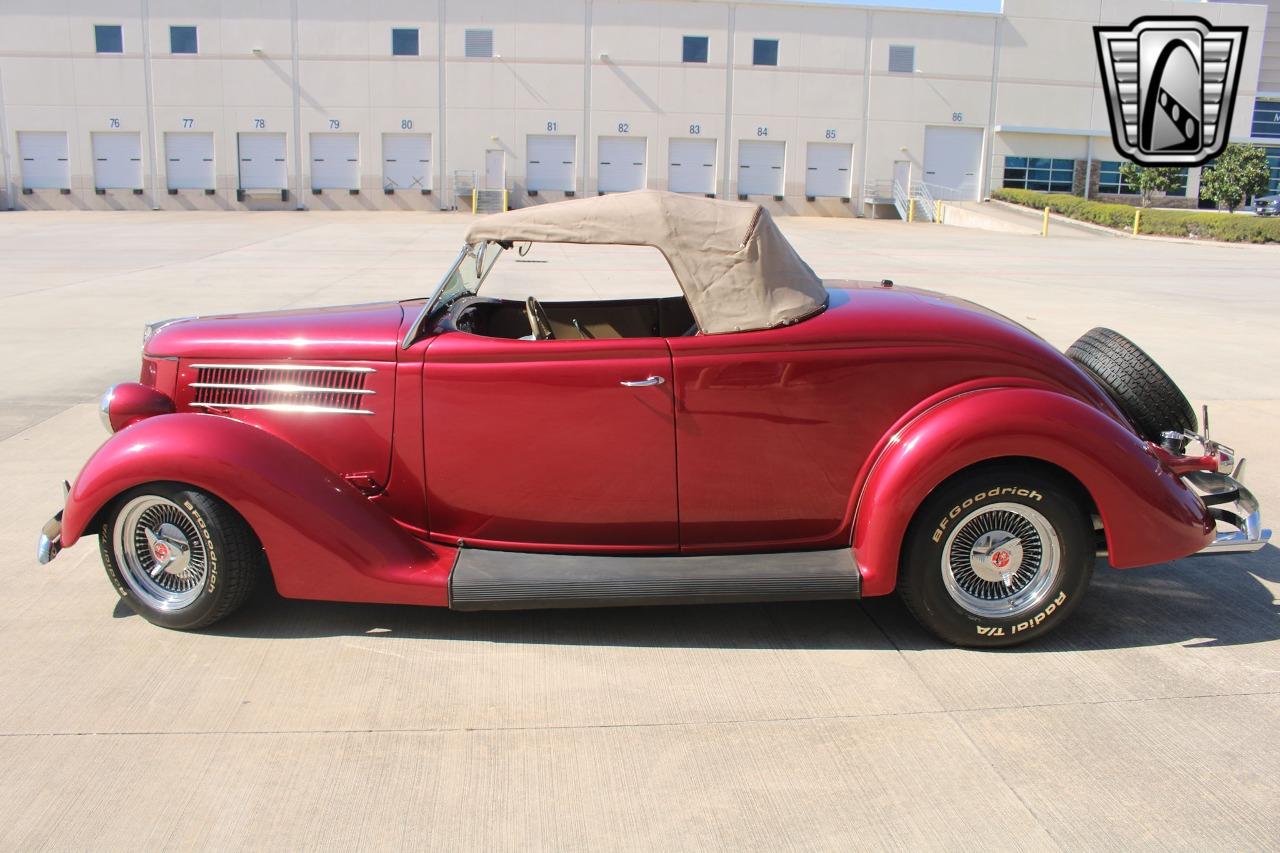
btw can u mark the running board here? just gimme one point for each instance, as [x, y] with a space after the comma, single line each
[508, 580]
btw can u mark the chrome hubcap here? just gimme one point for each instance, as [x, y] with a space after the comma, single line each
[1001, 560]
[160, 552]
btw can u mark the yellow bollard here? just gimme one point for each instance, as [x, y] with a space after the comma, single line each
[911, 210]
[939, 209]
[1137, 221]
[1044, 226]
[474, 192]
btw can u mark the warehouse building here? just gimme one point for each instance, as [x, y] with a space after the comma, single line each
[1265, 126]
[410, 104]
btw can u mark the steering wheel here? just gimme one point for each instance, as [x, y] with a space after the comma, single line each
[539, 325]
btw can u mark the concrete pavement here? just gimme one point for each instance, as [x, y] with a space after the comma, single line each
[1149, 721]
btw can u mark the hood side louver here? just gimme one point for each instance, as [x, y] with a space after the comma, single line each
[307, 389]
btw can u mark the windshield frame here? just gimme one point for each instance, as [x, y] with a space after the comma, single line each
[481, 252]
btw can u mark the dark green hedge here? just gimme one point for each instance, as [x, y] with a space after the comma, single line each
[1205, 225]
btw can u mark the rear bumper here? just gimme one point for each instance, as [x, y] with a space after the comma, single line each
[1236, 510]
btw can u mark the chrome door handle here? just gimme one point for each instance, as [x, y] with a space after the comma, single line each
[642, 383]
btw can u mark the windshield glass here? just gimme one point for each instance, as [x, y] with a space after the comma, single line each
[468, 273]
[464, 278]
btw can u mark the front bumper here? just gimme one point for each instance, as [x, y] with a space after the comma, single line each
[50, 539]
[51, 534]
[1232, 505]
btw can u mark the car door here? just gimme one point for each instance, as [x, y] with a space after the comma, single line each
[771, 431]
[550, 445]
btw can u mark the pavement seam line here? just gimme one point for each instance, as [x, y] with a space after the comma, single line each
[950, 715]
[950, 712]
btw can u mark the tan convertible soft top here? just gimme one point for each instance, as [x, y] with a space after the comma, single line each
[736, 269]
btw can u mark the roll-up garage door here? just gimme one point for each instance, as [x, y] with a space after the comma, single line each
[828, 170]
[622, 164]
[952, 156]
[117, 161]
[691, 168]
[44, 160]
[406, 161]
[760, 167]
[188, 161]
[263, 165]
[335, 161]
[550, 165]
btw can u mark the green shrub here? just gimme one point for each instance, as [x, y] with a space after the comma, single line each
[1204, 225]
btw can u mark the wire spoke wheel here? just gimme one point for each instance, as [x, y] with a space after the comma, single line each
[1001, 560]
[160, 551]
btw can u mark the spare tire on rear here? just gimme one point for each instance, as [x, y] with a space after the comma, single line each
[1138, 385]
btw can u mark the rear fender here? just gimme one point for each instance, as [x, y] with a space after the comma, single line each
[1148, 514]
[324, 539]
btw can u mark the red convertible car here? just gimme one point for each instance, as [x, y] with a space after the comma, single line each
[766, 436]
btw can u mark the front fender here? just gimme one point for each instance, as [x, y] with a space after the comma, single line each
[323, 538]
[1148, 514]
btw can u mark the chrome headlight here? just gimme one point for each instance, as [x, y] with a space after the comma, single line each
[130, 402]
[104, 408]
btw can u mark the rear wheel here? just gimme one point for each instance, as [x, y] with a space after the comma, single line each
[997, 556]
[179, 557]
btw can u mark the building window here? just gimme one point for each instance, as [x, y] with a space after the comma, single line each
[404, 42]
[695, 48]
[1041, 174]
[1111, 182]
[479, 43]
[182, 40]
[1273, 162]
[108, 38]
[902, 58]
[1266, 118]
[765, 52]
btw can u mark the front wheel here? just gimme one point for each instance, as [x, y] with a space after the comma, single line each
[179, 557]
[997, 556]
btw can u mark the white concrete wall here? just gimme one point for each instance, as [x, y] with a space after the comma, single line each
[586, 68]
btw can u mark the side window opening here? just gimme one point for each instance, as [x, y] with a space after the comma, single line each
[586, 293]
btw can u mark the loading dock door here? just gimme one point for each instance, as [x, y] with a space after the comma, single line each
[952, 157]
[117, 161]
[406, 161]
[335, 161]
[188, 161]
[829, 170]
[691, 168]
[550, 165]
[44, 160]
[760, 167]
[622, 164]
[262, 162]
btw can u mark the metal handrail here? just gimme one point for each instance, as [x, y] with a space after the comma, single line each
[927, 204]
[878, 190]
[901, 201]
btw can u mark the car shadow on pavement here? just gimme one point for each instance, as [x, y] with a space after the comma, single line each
[1213, 601]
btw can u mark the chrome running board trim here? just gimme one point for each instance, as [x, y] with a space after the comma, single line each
[508, 580]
